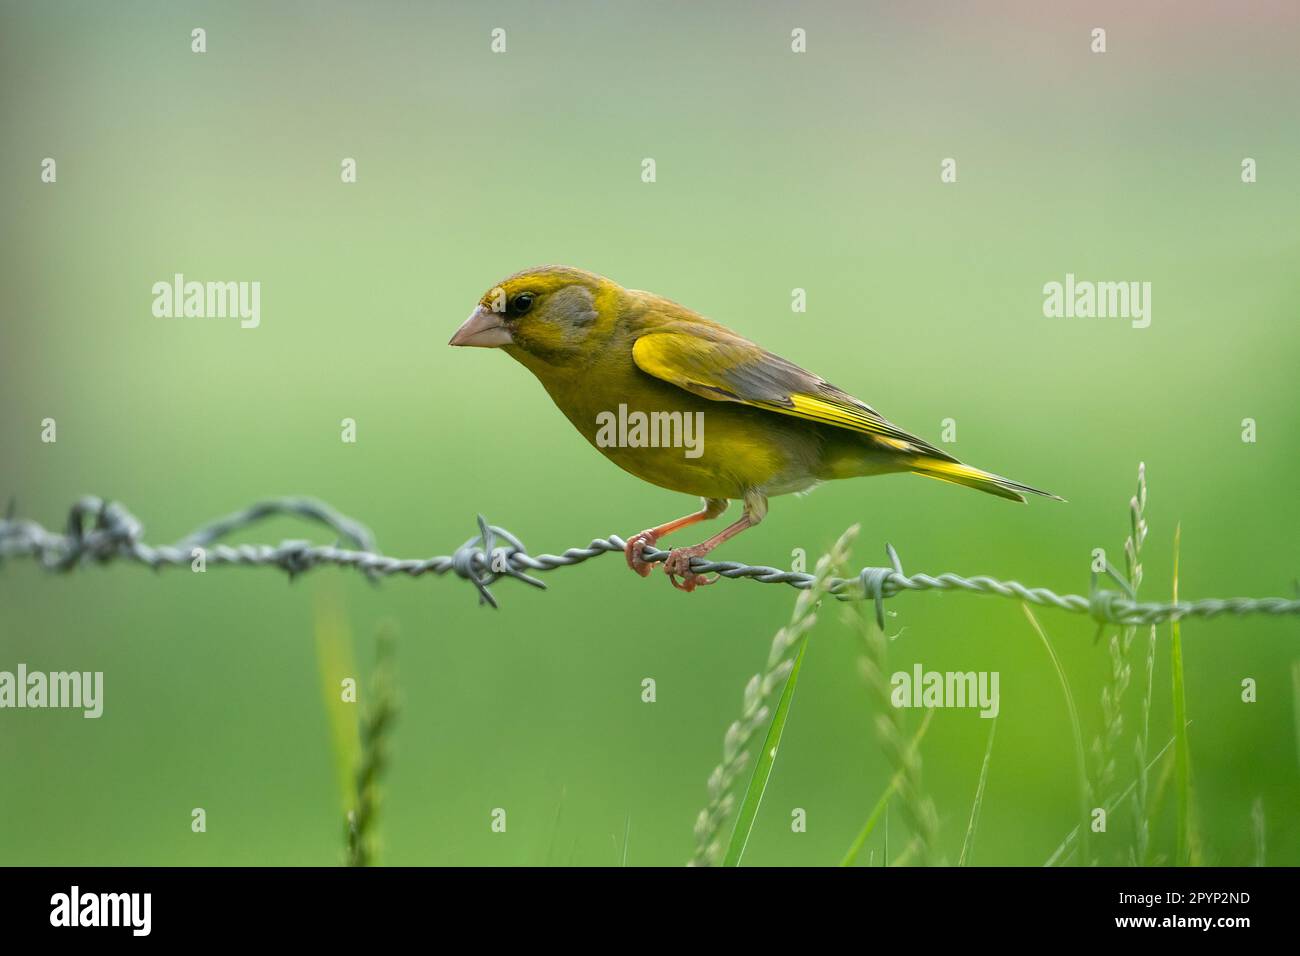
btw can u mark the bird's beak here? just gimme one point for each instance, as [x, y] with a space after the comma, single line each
[483, 329]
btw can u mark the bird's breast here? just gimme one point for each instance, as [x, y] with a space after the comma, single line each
[685, 443]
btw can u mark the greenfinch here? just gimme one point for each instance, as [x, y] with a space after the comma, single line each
[687, 404]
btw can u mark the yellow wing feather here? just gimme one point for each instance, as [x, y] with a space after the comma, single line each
[713, 363]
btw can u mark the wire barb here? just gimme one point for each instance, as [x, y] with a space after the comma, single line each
[872, 582]
[104, 531]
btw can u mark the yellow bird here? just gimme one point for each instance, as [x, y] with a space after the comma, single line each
[689, 405]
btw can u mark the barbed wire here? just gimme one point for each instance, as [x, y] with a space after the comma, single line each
[99, 531]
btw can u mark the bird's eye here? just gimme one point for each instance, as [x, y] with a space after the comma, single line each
[521, 303]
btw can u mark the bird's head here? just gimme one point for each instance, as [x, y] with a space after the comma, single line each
[549, 314]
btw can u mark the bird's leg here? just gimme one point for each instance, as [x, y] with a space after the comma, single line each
[678, 563]
[637, 543]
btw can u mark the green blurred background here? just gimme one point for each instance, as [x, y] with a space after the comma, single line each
[775, 171]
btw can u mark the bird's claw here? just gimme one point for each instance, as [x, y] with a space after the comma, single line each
[678, 565]
[635, 545]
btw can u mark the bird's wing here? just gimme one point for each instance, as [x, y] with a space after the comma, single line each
[719, 365]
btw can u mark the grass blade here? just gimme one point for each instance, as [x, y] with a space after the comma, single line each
[920, 818]
[763, 768]
[1066, 847]
[335, 663]
[378, 717]
[1141, 812]
[555, 828]
[968, 843]
[1081, 765]
[1295, 688]
[1182, 755]
[1258, 827]
[716, 817]
[882, 805]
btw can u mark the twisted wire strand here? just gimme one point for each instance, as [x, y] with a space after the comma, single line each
[101, 531]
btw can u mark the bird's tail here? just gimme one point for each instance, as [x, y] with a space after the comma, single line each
[960, 474]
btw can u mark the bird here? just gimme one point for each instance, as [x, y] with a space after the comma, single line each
[687, 404]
